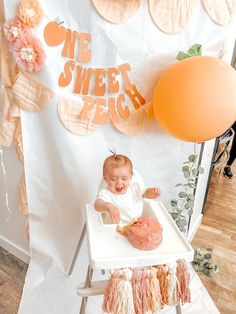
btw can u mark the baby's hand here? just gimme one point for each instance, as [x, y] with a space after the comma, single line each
[152, 193]
[113, 212]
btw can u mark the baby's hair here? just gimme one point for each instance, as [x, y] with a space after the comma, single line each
[116, 160]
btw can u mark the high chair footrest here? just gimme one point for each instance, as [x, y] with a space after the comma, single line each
[97, 288]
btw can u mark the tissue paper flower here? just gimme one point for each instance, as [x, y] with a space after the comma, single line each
[13, 29]
[30, 12]
[28, 53]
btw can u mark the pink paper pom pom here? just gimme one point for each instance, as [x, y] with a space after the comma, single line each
[30, 12]
[28, 53]
[13, 29]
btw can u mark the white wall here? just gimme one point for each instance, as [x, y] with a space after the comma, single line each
[12, 224]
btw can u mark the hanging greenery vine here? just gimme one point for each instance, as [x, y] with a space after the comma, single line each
[182, 207]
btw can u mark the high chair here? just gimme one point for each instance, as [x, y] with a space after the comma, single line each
[110, 250]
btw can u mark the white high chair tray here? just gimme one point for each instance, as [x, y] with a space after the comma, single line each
[109, 249]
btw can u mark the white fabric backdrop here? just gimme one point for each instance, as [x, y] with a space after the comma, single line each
[63, 170]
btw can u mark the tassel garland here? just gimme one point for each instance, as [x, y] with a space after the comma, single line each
[183, 276]
[162, 273]
[173, 289]
[155, 300]
[137, 291]
[124, 302]
[145, 283]
[111, 292]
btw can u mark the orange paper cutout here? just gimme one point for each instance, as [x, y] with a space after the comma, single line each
[85, 53]
[100, 114]
[113, 83]
[99, 86]
[66, 77]
[136, 98]
[82, 82]
[54, 33]
[69, 45]
[123, 111]
[88, 106]
[123, 68]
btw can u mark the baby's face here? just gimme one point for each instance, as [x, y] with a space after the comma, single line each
[118, 179]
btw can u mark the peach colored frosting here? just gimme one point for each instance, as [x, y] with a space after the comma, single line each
[145, 233]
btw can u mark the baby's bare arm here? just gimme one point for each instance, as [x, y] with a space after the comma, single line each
[152, 193]
[102, 206]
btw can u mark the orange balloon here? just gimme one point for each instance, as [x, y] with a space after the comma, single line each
[195, 99]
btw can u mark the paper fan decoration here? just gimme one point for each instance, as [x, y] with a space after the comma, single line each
[172, 16]
[117, 11]
[221, 11]
[69, 112]
[137, 122]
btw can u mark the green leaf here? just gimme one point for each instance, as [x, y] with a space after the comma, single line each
[186, 174]
[195, 171]
[182, 55]
[195, 50]
[182, 194]
[178, 184]
[189, 205]
[186, 206]
[207, 256]
[201, 170]
[181, 222]
[174, 215]
[191, 197]
[185, 168]
[206, 272]
[196, 267]
[173, 203]
[190, 212]
[216, 268]
[192, 158]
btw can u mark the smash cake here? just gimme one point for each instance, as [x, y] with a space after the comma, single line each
[144, 233]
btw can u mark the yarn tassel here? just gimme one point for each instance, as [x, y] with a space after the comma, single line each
[124, 304]
[137, 290]
[110, 294]
[183, 276]
[145, 283]
[162, 273]
[173, 289]
[155, 293]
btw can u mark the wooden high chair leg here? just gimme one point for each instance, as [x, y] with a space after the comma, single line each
[86, 285]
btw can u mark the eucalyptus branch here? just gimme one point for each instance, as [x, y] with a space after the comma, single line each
[182, 207]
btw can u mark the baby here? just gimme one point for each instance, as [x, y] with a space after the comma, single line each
[122, 197]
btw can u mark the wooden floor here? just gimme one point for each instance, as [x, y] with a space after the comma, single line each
[12, 274]
[217, 231]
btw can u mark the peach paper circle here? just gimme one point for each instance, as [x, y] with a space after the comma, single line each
[221, 11]
[117, 11]
[172, 16]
